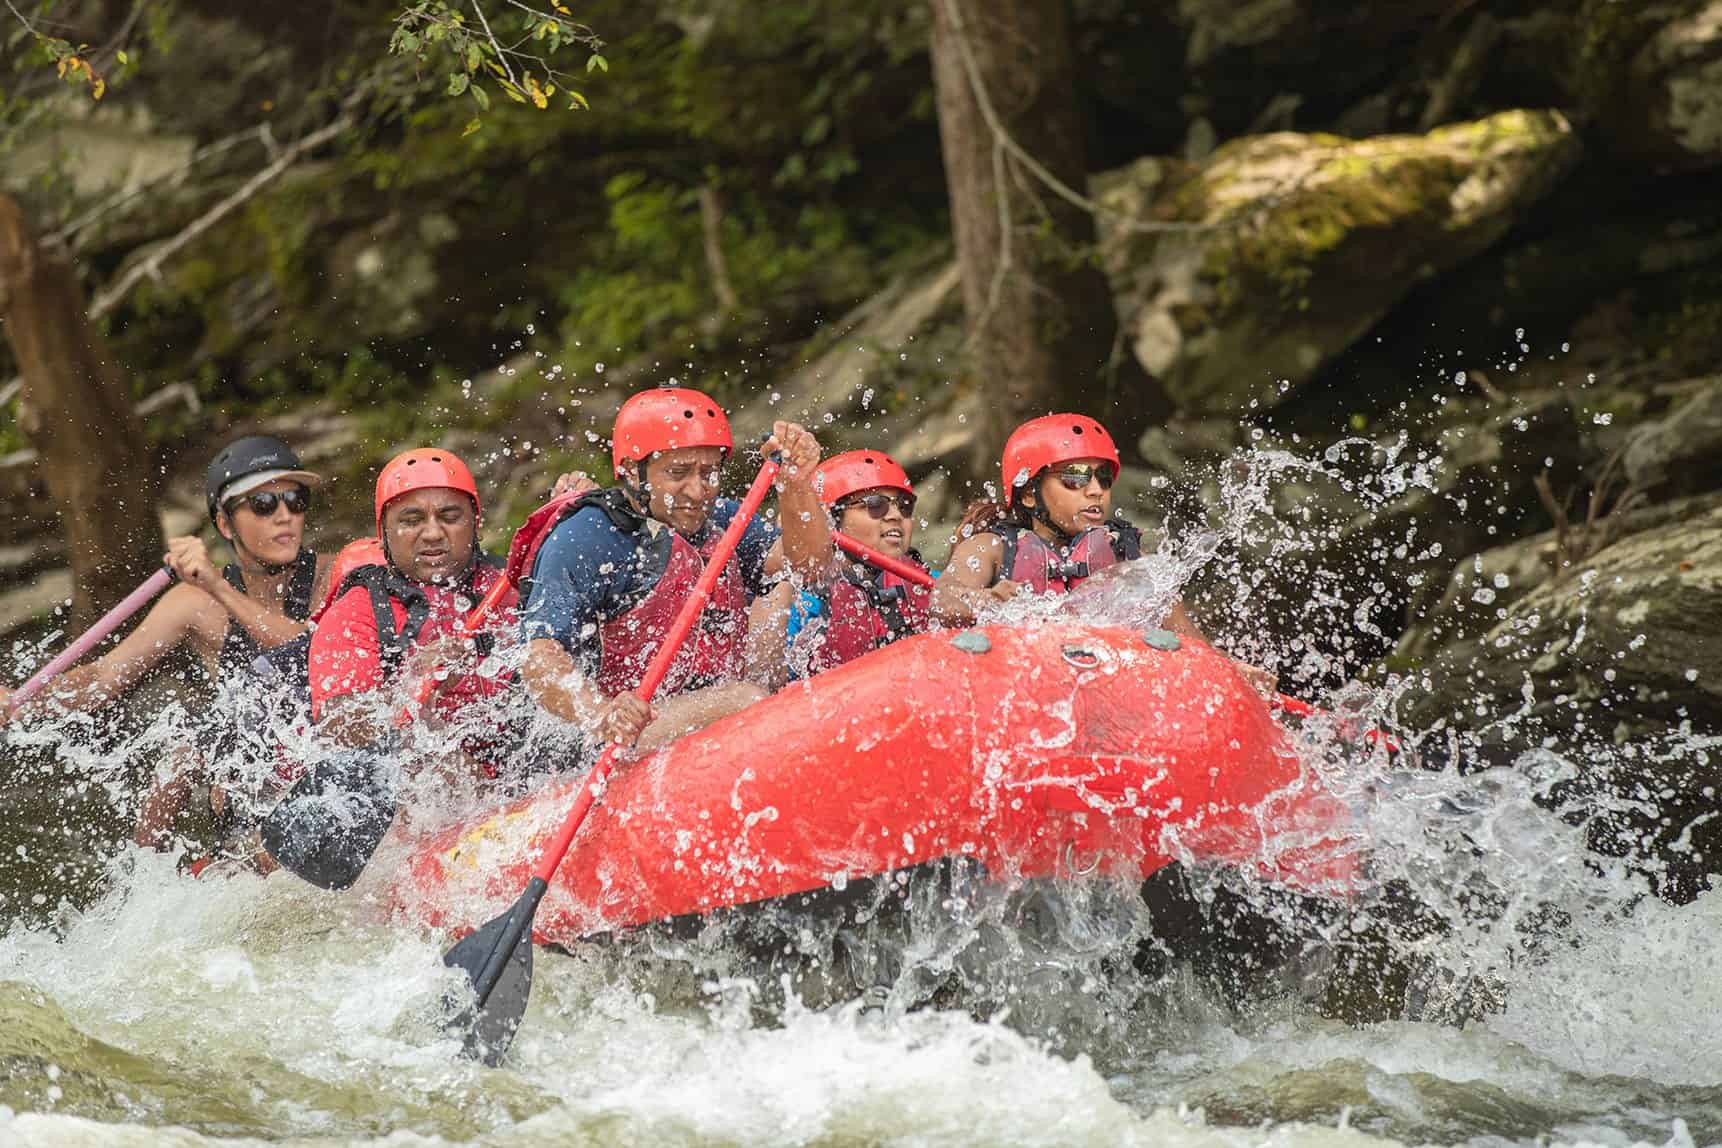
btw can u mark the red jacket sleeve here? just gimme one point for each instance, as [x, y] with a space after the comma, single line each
[345, 656]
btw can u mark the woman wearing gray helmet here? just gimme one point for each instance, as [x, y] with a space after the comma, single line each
[258, 494]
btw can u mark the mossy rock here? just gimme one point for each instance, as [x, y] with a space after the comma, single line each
[1284, 249]
[1651, 75]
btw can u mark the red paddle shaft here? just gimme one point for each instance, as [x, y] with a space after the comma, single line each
[1297, 707]
[660, 664]
[907, 571]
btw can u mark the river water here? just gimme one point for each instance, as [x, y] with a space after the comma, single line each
[1558, 1004]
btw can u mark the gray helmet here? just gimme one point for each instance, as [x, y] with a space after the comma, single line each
[259, 458]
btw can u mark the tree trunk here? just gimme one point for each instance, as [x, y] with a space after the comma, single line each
[1042, 332]
[75, 408]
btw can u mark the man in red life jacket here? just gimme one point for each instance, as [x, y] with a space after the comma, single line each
[402, 619]
[611, 570]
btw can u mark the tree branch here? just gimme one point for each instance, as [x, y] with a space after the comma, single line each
[111, 295]
[476, 7]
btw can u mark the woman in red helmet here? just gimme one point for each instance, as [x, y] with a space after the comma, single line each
[1055, 527]
[856, 607]
[402, 618]
[611, 570]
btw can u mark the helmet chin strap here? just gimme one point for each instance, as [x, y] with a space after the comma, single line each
[1038, 513]
[272, 569]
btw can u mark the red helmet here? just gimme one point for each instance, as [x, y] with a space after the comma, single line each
[666, 418]
[842, 475]
[427, 468]
[360, 552]
[1050, 440]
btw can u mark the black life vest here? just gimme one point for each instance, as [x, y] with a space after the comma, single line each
[238, 648]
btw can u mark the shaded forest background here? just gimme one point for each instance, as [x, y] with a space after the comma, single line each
[1477, 235]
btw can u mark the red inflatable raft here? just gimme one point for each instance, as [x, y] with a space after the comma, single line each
[1041, 752]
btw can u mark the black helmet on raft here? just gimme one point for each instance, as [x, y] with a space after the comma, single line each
[248, 463]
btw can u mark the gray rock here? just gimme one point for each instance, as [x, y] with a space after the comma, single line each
[1681, 452]
[1302, 243]
[1623, 644]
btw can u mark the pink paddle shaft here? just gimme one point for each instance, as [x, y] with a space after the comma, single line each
[92, 637]
[660, 664]
[907, 571]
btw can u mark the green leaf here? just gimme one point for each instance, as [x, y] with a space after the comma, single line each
[122, 57]
[472, 125]
[409, 42]
[458, 82]
[474, 57]
[597, 63]
[481, 96]
[576, 100]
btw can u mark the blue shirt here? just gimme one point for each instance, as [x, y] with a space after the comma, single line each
[590, 570]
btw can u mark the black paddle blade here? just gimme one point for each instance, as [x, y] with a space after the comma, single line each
[500, 953]
[330, 823]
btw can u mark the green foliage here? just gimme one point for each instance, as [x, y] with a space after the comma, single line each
[74, 63]
[515, 51]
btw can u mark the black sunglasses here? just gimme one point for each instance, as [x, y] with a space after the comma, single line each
[1078, 477]
[878, 504]
[263, 502]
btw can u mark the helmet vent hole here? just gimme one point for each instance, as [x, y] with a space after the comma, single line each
[687, 414]
[1078, 430]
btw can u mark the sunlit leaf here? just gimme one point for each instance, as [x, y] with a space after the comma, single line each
[458, 82]
[597, 63]
[472, 125]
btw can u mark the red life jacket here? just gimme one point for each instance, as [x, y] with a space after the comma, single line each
[1031, 560]
[714, 650]
[864, 613]
[411, 613]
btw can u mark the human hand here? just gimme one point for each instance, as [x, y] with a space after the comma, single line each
[444, 651]
[1004, 590]
[1265, 682]
[573, 482]
[624, 718]
[800, 450]
[188, 558]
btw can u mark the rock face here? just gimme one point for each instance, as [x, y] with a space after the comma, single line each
[1284, 249]
[1626, 638]
[1652, 75]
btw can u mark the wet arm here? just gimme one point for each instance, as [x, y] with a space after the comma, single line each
[170, 623]
[554, 680]
[269, 627]
[965, 586]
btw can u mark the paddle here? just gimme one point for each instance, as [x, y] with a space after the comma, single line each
[1297, 707]
[327, 828]
[92, 637]
[497, 959]
[907, 571]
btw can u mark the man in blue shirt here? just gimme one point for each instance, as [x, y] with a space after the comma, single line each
[611, 576]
